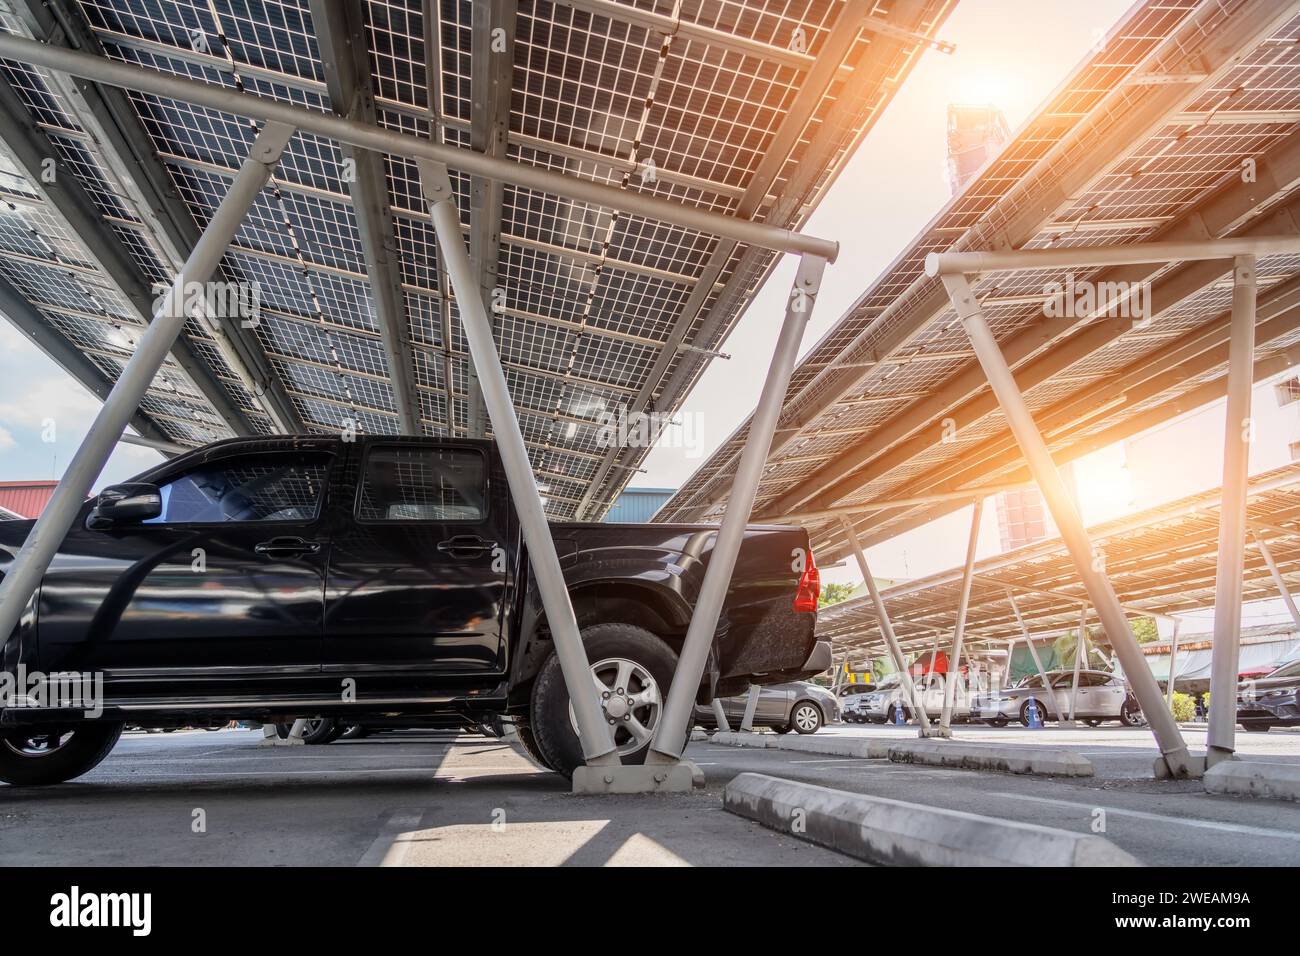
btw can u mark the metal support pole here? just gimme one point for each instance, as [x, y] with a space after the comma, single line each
[1267, 554]
[887, 629]
[751, 707]
[671, 733]
[123, 401]
[1170, 740]
[1220, 738]
[1173, 666]
[1078, 660]
[959, 633]
[1038, 661]
[720, 715]
[593, 731]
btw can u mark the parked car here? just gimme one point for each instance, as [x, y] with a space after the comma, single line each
[1272, 701]
[1102, 696]
[854, 709]
[799, 706]
[308, 576]
[882, 705]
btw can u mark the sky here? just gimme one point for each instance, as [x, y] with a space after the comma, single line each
[1010, 53]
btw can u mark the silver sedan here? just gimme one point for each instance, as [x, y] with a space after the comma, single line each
[1102, 696]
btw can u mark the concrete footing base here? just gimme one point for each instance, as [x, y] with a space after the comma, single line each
[282, 742]
[1244, 778]
[909, 834]
[680, 777]
[1195, 768]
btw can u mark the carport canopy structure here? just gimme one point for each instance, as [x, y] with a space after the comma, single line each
[336, 87]
[1162, 562]
[1160, 177]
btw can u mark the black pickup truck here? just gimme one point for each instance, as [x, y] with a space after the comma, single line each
[379, 578]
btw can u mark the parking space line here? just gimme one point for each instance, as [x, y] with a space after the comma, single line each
[1145, 815]
[388, 849]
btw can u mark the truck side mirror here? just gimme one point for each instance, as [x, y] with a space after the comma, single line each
[126, 504]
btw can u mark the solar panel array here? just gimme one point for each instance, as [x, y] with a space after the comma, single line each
[595, 311]
[1161, 561]
[1159, 133]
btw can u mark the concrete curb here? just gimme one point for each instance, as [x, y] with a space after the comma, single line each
[1243, 778]
[879, 830]
[1006, 759]
[867, 748]
[732, 738]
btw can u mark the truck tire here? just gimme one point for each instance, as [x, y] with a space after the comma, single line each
[31, 759]
[609, 647]
[319, 730]
[528, 743]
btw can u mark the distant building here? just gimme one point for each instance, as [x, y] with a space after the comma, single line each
[26, 498]
[975, 135]
[637, 505]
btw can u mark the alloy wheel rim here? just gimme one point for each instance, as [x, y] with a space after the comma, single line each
[630, 702]
[40, 745]
[804, 717]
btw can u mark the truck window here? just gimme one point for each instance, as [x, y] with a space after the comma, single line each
[268, 487]
[422, 484]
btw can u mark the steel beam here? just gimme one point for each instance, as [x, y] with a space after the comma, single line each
[593, 732]
[963, 602]
[1079, 653]
[491, 82]
[1239, 432]
[340, 32]
[118, 137]
[1100, 592]
[670, 736]
[751, 707]
[891, 640]
[1173, 666]
[1048, 691]
[32, 560]
[1283, 591]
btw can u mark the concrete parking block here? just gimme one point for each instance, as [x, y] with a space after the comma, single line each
[867, 748]
[893, 832]
[732, 738]
[1252, 779]
[1007, 759]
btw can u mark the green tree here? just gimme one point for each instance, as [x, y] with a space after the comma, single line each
[834, 594]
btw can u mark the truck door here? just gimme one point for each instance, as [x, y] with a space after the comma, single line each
[227, 581]
[417, 574]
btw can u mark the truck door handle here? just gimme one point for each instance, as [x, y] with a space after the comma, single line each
[286, 547]
[466, 546]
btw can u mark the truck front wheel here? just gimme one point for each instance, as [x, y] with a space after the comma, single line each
[29, 758]
[635, 669]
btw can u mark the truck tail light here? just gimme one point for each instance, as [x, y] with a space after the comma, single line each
[810, 586]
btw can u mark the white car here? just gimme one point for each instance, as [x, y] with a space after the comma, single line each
[1102, 696]
[882, 705]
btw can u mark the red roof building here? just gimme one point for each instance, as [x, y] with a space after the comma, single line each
[27, 498]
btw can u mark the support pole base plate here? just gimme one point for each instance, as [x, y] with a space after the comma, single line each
[935, 732]
[681, 777]
[1196, 766]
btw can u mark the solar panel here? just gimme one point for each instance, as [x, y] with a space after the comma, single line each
[594, 303]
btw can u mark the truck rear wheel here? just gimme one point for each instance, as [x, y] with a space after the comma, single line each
[30, 758]
[636, 668]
